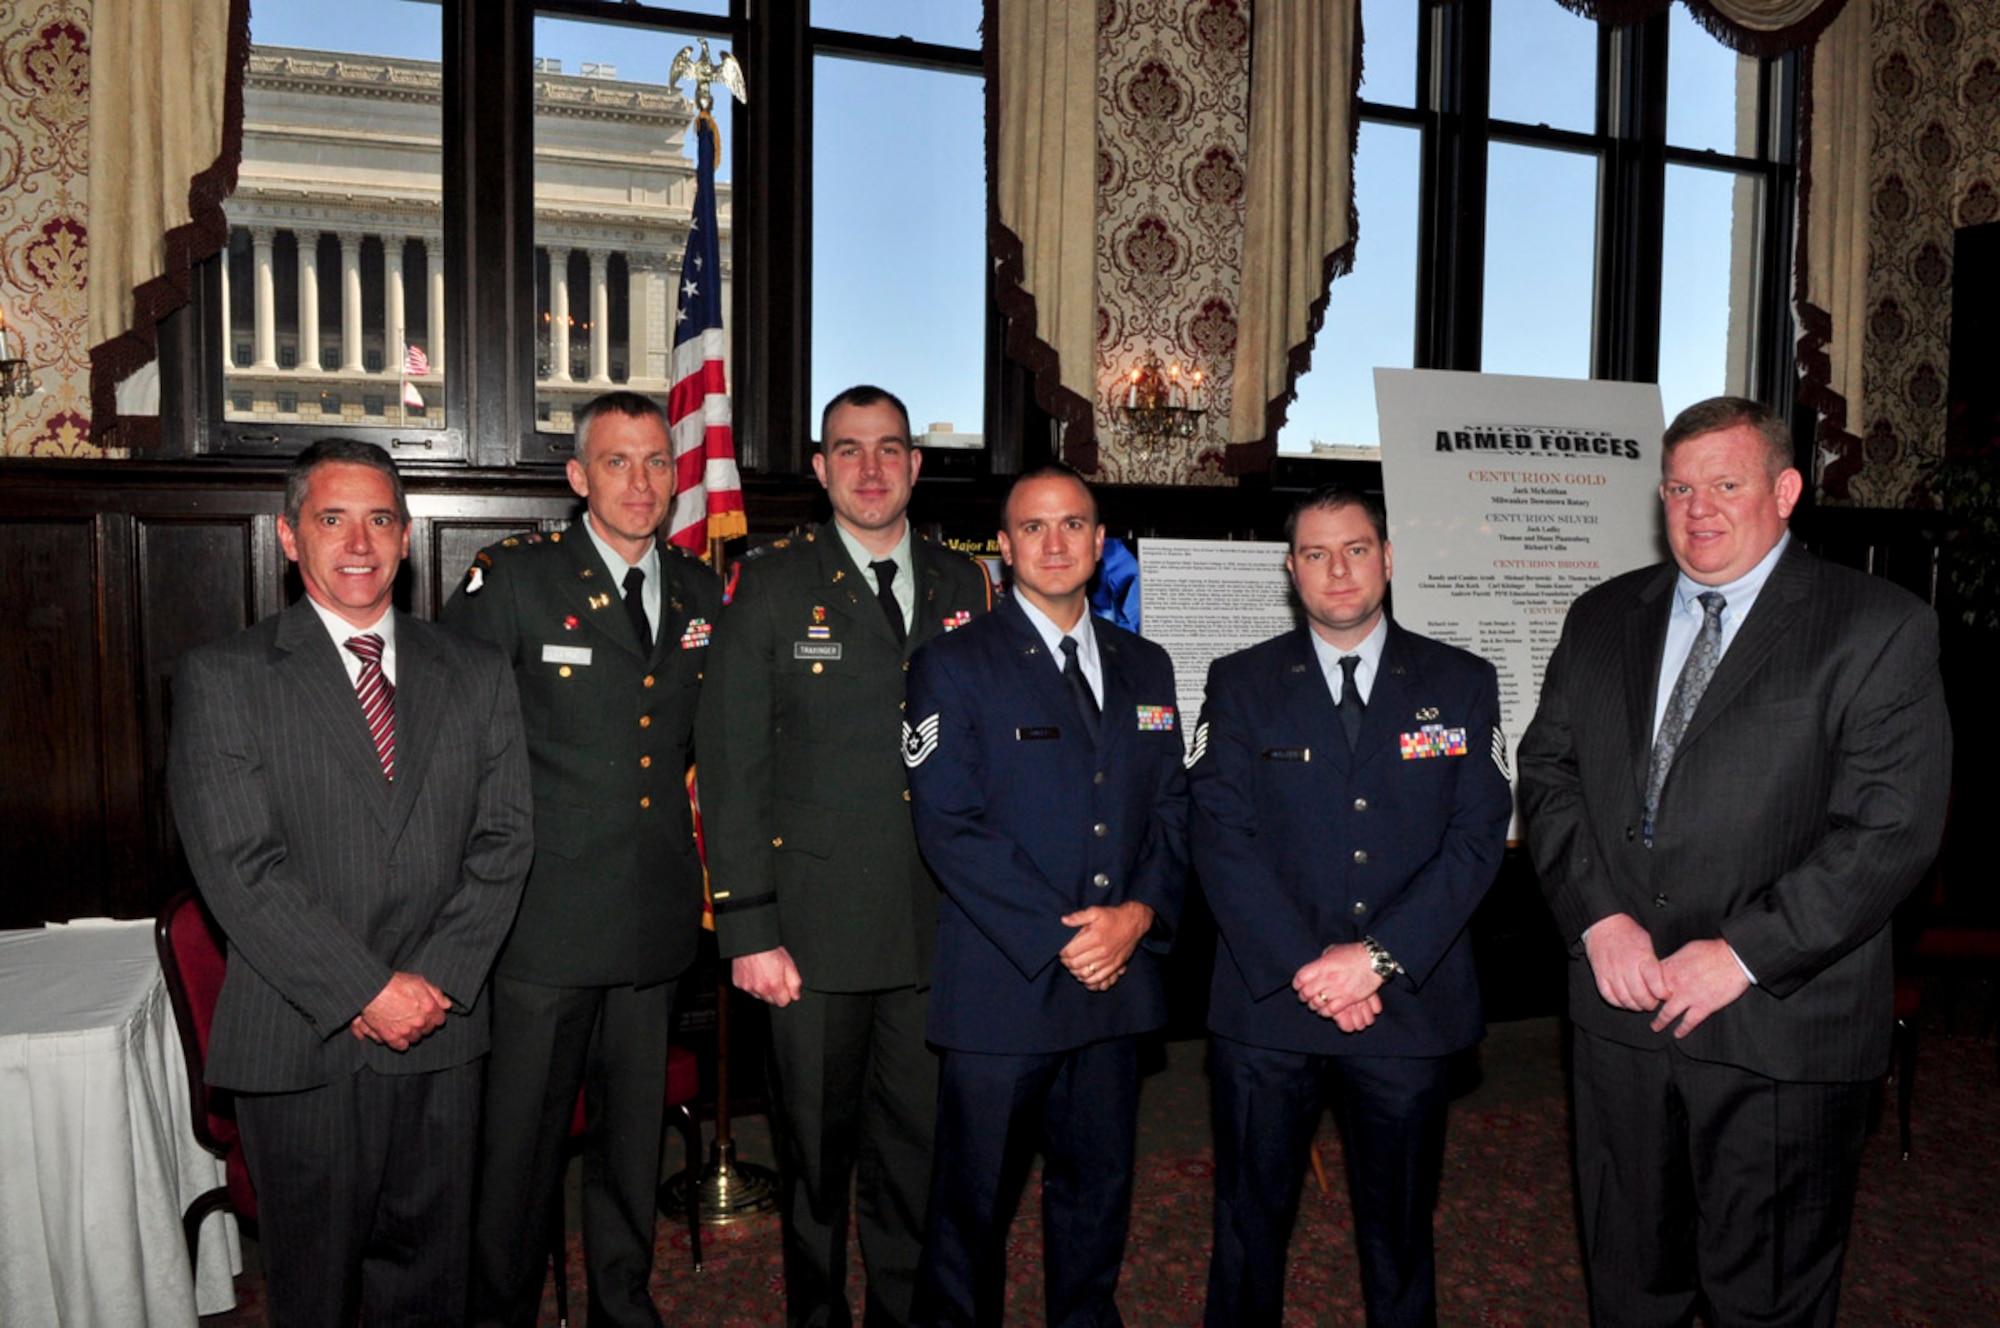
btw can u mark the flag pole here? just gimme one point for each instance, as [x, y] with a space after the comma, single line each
[725, 1190]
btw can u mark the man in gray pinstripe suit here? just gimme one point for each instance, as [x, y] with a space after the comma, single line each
[351, 786]
[1738, 769]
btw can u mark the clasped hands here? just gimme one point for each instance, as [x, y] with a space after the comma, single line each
[1687, 986]
[1341, 985]
[403, 1013]
[1104, 941]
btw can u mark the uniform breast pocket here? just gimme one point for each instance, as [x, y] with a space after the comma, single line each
[562, 700]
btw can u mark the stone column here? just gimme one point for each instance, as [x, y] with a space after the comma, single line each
[434, 299]
[350, 302]
[228, 347]
[642, 301]
[395, 336]
[265, 289]
[308, 299]
[600, 319]
[559, 315]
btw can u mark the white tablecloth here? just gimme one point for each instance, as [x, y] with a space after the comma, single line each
[97, 1152]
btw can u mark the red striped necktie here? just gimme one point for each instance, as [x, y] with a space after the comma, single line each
[378, 699]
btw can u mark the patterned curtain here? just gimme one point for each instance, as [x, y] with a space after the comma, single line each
[166, 134]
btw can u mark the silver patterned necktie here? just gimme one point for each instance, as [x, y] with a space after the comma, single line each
[1694, 679]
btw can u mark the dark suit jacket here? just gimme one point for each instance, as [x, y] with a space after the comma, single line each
[1806, 798]
[1025, 819]
[327, 878]
[1300, 844]
[803, 797]
[615, 893]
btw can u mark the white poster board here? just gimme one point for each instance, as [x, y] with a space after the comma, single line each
[1508, 497]
[1202, 599]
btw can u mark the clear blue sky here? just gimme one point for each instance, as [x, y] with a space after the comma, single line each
[899, 204]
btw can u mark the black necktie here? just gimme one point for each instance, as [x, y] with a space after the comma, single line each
[635, 608]
[885, 577]
[1079, 687]
[1351, 705]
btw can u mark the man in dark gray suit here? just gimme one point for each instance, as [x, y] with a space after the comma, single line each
[607, 629]
[1738, 769]
[351, 786]
[822, 904]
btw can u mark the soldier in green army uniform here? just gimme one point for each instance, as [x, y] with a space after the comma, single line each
[821, 900]
[608, 629]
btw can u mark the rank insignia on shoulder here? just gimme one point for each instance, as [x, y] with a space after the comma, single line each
[697, 634]
[919, 740]
[957, 620]
[1197, 746]
[1156, 719]
[1432, 740]
[475, 577]
[1500, 754]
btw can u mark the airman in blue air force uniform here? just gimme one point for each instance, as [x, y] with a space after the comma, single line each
[1350, 810]
[1046, 776]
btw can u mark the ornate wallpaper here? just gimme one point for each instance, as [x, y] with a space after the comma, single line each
[1172, 127]
[44, 207]
[1936, 167]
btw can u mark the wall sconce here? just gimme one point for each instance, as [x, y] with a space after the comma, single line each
[1160, 404]
[15, 378]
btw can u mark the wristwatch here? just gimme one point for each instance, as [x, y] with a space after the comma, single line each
[1384, 963]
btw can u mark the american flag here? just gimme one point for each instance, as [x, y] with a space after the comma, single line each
[415, 365]
[708, 494]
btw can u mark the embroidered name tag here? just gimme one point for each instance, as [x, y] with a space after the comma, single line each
[1432, 740]
[1287, 754]
[552, 654]
[697, 634]
[1037, 733]
[815, 650]
[1156, 719]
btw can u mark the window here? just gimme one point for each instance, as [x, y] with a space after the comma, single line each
[1609, 203]
[335, 259]
[487, 202]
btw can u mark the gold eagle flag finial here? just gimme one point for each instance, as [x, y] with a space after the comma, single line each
[704, 71]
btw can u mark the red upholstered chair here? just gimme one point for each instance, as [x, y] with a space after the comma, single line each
[683, 1082]
[193, 959]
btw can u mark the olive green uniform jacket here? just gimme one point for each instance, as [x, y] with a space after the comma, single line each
[802, 786]
[614, 897]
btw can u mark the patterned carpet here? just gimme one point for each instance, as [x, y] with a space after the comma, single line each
[1925, 1247]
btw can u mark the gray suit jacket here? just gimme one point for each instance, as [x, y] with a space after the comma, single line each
[1805, 800]
[327, 878]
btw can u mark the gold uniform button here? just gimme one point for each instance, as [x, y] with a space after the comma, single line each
[563, 672]
[648, 681]
[818, 667]
[777, 841]
[645, 802]
[906, 795]
[645, 721]
[645, 763]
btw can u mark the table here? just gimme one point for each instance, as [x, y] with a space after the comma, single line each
[98, 1158]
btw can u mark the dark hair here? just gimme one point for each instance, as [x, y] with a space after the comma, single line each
[1726, 413]
[1331, 498]
[863, 394]
[1049, 470]
[345, 452]
[632, 405]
